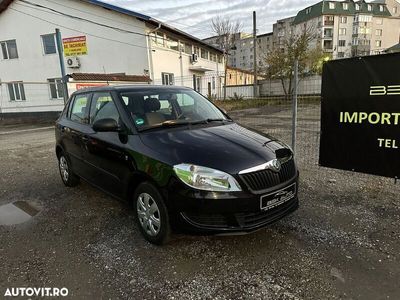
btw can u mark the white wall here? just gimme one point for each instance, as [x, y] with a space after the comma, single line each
[32, 65]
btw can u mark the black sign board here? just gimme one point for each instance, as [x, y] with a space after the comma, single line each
[360, 115]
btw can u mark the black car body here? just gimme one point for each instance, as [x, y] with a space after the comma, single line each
[177, 157]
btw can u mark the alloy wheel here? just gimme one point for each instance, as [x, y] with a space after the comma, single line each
[148, 214]
[64, 168]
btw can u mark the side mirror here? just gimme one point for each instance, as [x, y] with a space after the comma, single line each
[106, 125]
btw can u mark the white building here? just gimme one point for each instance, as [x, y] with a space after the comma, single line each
[100, 39]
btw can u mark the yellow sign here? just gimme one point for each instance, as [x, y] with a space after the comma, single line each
[75, 46]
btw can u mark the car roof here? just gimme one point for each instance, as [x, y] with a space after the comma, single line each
[129, 88]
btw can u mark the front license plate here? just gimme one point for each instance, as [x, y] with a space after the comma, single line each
[278, 198]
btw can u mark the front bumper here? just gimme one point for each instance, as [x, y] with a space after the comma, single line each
[227, 212]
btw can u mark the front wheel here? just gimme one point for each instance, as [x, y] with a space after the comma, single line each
[151, 214]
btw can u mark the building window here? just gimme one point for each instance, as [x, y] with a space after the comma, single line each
[204, 53]
[381, 8]
[49, 43]
[342, 43]
[16, 91]
[340, 54]
[395, 10]
[172, 44]
[378, 32]
[331, 5]
[379, 21]
[342, 31]
[188, 49]
[369, 6]
[378, 43]
[56, 88]
[357, 6]
[158, 38]
[167, 78]
[9, 49]
[345, 6]
[196, 50]
[308, 10]
[343, 20]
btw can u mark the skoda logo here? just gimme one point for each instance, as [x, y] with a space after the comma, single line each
[275, 165]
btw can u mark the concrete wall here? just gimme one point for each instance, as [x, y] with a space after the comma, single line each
[307, 86]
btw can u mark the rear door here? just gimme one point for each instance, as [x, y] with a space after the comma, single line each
[73, 128]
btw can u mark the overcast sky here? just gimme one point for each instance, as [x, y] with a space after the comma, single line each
[194, 16]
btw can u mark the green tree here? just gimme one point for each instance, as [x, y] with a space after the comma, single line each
[299, 47]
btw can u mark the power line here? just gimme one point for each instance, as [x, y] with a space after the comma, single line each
[96, 15]
[89, 34]
[124, 23]
[82, 19]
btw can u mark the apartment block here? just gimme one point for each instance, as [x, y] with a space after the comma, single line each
[352, 28]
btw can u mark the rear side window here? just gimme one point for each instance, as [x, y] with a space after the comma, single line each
[103, 107]
[78, 108]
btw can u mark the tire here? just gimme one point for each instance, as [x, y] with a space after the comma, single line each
[67, 175]
[151, 214]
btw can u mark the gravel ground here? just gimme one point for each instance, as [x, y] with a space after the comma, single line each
[343, 243]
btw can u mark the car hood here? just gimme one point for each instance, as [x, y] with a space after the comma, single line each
[229, 148]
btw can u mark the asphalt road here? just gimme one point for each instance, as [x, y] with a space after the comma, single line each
[343, 243]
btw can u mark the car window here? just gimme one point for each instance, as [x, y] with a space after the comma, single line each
[78, 108]
[103, 107]
[153, 107]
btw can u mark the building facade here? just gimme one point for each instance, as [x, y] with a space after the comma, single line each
[97, 38]
[352, 28]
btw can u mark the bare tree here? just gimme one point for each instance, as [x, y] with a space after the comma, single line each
[296, 47]
[225, 29]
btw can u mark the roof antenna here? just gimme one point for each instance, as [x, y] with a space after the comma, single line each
[104, 70]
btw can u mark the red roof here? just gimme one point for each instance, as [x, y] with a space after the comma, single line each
[109, 77]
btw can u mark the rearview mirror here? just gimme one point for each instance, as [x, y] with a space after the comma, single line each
[106, 125]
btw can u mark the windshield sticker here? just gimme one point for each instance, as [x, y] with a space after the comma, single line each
[139, 121]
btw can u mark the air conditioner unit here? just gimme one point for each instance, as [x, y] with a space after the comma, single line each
[194, 58]
[73, 62]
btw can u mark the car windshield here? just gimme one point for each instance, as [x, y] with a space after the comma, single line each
[152, 108]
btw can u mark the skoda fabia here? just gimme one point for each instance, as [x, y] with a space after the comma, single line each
[179, 159]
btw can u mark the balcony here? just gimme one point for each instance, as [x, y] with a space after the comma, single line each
[329, 23]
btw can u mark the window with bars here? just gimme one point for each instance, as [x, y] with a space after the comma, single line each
[56, 88]
[16, 91]
[9, 49]
[167, 78]
[49, 43]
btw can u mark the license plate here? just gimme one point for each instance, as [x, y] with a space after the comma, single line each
[278, 198]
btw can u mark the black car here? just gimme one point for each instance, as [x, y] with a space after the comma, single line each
[179, 159]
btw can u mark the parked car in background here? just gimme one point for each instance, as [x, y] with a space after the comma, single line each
[177, 158]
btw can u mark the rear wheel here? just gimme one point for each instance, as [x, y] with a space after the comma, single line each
[151, 214]
[67, 176]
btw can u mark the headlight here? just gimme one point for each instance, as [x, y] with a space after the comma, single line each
[207, 179]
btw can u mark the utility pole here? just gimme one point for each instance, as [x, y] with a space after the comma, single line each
[255, 83]
[294, 105]
[62, 65]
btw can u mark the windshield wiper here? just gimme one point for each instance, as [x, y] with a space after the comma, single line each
[173, 123]
[169, 123]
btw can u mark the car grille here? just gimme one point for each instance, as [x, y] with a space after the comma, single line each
[241, 220]
[262, 180]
